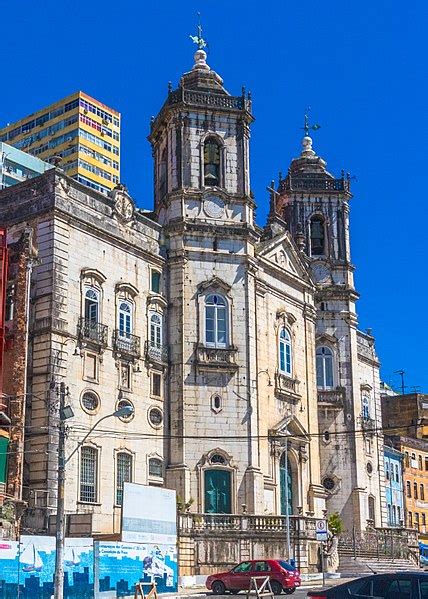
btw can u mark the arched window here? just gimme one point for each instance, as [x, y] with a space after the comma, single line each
[324, 358]
[371, 505]
[317, 236]
[286, 485]
[125, 319]
[422, 491]
[88, 474]
[415, 490]
[216, 334]
[123, 473]
[163, 174]
[92, 299]
[218, 491]
[212, 160]
[284, 352]
[365, 407]
[155, 330]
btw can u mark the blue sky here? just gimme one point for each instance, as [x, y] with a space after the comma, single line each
[359, 65]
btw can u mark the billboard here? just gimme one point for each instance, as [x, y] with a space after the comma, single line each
[149, 515]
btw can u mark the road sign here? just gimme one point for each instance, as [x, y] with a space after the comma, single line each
[321, 530]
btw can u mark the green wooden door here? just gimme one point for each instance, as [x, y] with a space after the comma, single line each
[4, 443]
[286, 486]
[218, 492]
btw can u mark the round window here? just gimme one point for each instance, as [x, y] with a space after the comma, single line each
[369, 468]
[217, 459]
[155, 417]
[90, 401]
[328, 483]
[124, 403]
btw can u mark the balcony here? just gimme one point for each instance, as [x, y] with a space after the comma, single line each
[126, 344]
[221, 359]
[368, 425]
[320, 183]
[286, 387]
[156, 353]
[331, 398]
[94, 332]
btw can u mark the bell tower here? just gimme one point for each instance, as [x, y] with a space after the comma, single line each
[200, 143]
[315, 206]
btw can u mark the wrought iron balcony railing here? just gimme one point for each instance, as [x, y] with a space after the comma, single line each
[216, 358]
[125, 343]
[93, 331]
[322, 183]
[156, 352]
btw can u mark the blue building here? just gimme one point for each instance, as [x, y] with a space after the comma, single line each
[17, 166]
[393, 460]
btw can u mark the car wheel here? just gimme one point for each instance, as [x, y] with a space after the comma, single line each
[276, 587]
[218, 587]
[289, 591]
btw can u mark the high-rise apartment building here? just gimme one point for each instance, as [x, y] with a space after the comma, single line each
[80, 132]
[17, 166]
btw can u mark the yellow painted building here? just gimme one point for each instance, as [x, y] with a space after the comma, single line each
[79, 133]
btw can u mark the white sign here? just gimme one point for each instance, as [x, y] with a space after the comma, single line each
[149, 515]
[321, 530]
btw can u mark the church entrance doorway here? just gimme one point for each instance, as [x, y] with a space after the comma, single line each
[218, 491]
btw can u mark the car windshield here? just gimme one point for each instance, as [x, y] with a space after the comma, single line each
[286, 565]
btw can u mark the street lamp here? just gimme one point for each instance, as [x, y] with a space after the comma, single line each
[65, 413]
[287, 509]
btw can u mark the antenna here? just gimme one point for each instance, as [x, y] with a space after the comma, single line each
[401, 373]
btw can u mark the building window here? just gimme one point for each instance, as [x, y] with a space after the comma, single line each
[125, 375]
[88, 474]
[417, 520]
[156, 384]
[397, 473]
[394, 515]
[215, 321]
[387, 470]
[163, 174]
[91, 305]
[123, 474]
[125, 319]
[406, 459]
[371, 505]
[420, 464]
[324, 360]
[155, 281]
[212, 158]
[124, 403]
[10, 303]
[155, 330]
[421, 492]
[216, 403]
[424, 520]
[398, 514]
[317, 236]
[415, 490]
[90, 402]
[410, 518]
[90, 367]
[155, 417]
[155, 467]
[365, 407]
[285, 352]
[408, 489]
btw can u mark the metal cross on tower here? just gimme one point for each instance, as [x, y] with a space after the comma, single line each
[198, 39]
[307, 127]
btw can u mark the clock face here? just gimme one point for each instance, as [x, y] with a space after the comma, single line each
[214, 206]
[321, 273]
[124, 207]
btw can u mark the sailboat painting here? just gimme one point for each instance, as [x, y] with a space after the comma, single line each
[30, 559]
[71, 557]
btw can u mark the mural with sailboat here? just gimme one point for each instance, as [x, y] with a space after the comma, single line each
[30, 559]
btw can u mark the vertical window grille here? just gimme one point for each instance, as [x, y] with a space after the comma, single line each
[88, 474]
[123, 474]
[285, 352]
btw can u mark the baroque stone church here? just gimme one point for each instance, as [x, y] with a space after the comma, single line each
[237, 346]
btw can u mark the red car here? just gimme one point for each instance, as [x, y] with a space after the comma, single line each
[283, 577]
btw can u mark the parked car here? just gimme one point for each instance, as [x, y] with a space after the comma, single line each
[283, 577]
[398, 585]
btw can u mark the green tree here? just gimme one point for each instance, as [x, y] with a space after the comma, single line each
[335, 524]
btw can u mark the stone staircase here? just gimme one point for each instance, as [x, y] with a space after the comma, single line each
[353, 567]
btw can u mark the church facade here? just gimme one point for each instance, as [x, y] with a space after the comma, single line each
[237, 346]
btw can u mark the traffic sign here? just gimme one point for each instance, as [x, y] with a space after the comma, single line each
[321, 530]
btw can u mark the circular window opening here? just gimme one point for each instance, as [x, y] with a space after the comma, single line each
[369, 468]
[328, 483]
[90, 402]
[124, 403]
[155, 417]
[217, 459]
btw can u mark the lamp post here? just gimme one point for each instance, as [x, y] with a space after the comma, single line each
[287, 507]
[66, 412]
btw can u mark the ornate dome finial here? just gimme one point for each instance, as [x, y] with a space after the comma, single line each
[307, 140]
[200, 55]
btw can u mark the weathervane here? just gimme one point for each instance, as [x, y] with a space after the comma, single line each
[198, 39]
[307, 127]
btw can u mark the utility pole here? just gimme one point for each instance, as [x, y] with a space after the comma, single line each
[60, 507]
